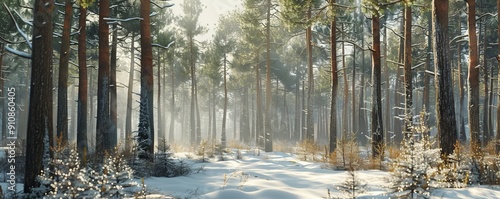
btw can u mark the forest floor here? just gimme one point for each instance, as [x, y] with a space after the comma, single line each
[283, 176]
[278, 175]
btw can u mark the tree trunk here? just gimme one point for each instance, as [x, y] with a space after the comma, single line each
[214, 115]
[428, 65]
[112, 89]
[334, 83]
[146, 118]
[161, 133]
[128, 120]
[473, 76]
[267, 133]
[62, 86]
[244, 124]
[310, 81]
[259, 136]
[445, 107]
[223, 134]
[486, 108]
[103, 118]
[173, 112]
[398, 123]
[497, 148]
[39, 135]
[377, 123]
[81, 132]
[192, 124]
[345, 101]
[407, 71]
[2, 96]
[462, 137]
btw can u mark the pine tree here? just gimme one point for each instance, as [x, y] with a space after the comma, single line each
[164, 164]
[115, 180]
[65, 178]
[352, 186]
[455, 172]
[413, 167]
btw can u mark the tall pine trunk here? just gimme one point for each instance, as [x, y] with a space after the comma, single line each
[128, 119]
[62, 87]
[102, 128]
[40, 127]
[161, 133]
[445, 107]
[268, 128]
[486, 103]
[146, 118]
[377, 123]
[407, 70]
[112, 89]
[334, 83]
[81, 129]
[224, 118]
[473, 77]
[310, 81]
[171, 136]
[461, 134]
[497, 148]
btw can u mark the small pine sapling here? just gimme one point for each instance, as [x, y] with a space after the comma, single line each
[116, 177]
[64, 177]
[413, 167]
[454, 171]
[163, 164]
[352, 186]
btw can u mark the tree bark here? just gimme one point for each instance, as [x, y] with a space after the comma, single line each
[497, 148]
[102, 131]
[161, 133]
[173, 112]
[473, 77]
[128, 119]
[40, 127]
[62, 87]
[486, 103]
[377, 123]
[267, 133]
[334, 83]
[310, 81]
[407, 70]
[345, 101]
[146, 118]
[81, 132]
[445, 108]
[223, 134]
[462, 137]
[259, 136]
[112, 89]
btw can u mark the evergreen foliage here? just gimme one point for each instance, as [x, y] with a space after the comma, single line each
[65, 178]
[455, 172]
[352, 186]
[416, 163]
[115, 180]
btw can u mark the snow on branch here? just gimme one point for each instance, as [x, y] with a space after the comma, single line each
[116, 20]
[164, 47]
[162, 7]
[23, 34]
[18, 53]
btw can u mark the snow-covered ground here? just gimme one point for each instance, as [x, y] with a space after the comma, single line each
[282, 176]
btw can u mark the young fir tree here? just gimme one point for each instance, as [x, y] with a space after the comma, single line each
[455, 172]
[413, 167]
[352, 186]
[64, 178]
[115, 180]
[163, 164]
